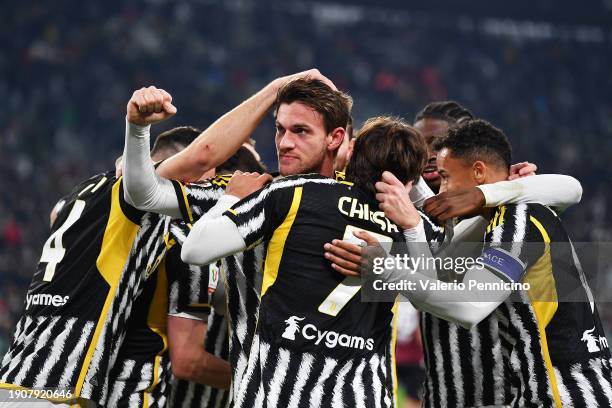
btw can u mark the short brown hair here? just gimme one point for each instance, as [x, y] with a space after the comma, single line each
[334, 106]
[386, 144]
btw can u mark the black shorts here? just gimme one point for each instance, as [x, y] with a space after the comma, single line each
[411, 378]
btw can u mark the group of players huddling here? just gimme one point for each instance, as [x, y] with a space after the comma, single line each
[168, 282]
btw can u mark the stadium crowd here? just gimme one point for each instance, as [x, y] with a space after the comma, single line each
[65, 74]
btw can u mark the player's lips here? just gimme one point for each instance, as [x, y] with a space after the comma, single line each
[430, 172]
[287, 157]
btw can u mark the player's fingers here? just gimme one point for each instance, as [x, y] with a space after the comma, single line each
[382, 187]
[369, 239]
[528, 169]
[408, 186]
[344, 271]
[265, 178]
[347, 246]
[343, 263]
[381, 197]
[390, 178]
[169, 108]
[166, 95]
[340, 252]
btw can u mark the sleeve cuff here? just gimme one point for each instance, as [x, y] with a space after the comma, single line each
[416, 234]
[137, 130]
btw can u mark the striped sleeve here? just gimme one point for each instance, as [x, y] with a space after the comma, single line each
[188, 285]
[258, 215]
[194, 200]
[510, 243]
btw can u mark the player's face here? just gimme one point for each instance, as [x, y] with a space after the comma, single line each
[431, 130]
[342, 156]
[301, 140]
[455, 174]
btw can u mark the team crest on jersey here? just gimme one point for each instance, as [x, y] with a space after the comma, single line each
[594, 344]
[329, 338]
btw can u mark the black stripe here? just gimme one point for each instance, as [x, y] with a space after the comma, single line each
[431, 396]
[180, 197]
[486, 360]
[467, 369]
[598, 391]
[287, 388]
[447, 364]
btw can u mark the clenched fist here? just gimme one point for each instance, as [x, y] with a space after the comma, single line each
[149, 105]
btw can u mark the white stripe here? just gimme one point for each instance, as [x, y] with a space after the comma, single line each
[439, 359]
[280, 374]
[57, 350]
[42, 341]
[357, 384]
[498, 366]
[241, 383]
[604, 383]
[27, 339]
[277, 185]
[100, 183]
[252, 225]
[75, 356]
[300, 381]
[388, 399]
[337, 396]
[173, 298]
[376, 383]
[477, 365]
[456, 364]
[316, 395]
[566, 399]
[119, 385]
[528, 338]
[189, 395]
[519, 232]
[497, 233]
[135, 400]
[195, 280]
[584, 385]
[16, 340]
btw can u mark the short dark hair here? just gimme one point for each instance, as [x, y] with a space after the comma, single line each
[475, 140]
[386, 144]
[242, 160]
[448, 111]
[334, 106]
[175, 140]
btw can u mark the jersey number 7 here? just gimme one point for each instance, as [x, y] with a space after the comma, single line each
[348, 288]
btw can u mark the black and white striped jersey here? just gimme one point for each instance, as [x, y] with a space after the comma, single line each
[93, 265]
[534, 349]
[316, 343]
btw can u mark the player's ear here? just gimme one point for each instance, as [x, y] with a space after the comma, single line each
[335, 138]
[479, 172]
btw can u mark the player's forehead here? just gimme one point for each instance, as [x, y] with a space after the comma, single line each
[297, 113]
[445, 159]
[430, 128]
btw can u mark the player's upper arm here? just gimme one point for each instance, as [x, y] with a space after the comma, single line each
[510, 243]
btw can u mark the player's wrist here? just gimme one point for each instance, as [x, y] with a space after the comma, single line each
[136, 130]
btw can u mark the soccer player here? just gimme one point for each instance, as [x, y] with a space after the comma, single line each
[324, 347]
[307, 141]
[519, 353]
[91, 268]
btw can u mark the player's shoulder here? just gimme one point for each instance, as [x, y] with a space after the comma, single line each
[298, 180]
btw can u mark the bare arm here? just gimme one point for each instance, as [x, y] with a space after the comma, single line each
[190, 361]
[225, 136]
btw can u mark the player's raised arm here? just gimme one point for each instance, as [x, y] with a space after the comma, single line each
[143, 188]
[219, 141]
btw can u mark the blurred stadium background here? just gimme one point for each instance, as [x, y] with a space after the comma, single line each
[541, 70]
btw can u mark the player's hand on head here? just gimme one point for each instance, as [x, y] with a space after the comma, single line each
[309, 74]
[394, 200]
[150, 105]
[451, 204]
[242, 184]
[523, 169]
